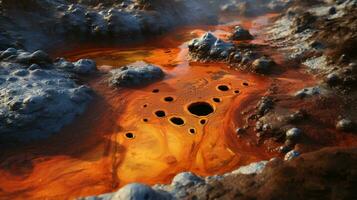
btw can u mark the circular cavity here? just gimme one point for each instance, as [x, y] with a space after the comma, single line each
[145, 106]
[217, 100]
[129, 135]
[200, 108]
[177, 121]
[236, 91]
[203, 121]
[145, 120]
[160, 113]
[155, 91]
[169, 99]
[192, 131]
[245, 84]
[223, 88]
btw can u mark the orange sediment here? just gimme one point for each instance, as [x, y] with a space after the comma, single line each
[145, 135]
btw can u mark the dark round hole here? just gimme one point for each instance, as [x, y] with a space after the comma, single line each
[200, 108]
[236, 91]
[245, 84]
[129, 135]
[177, 120]
[145, 120]
[145, 106]
[223, 88]
[192, 131]
[160, 113]
[203, 121]
[155, 91]
[169, 99]
[217, 100]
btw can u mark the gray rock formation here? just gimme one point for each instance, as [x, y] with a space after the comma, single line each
[254, 7]
[75, 21]
[135, 75]
[263, 65]
[182, 184]
[82, 66]
[36, 98]
[311, 91]
[240, 33]
[209, 47]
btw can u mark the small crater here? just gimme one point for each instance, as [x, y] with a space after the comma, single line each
[217, 100]
[192, 131]
[169, 99]
[155, 91]
[145, 106]
[177, 121]
[130, 135]
[245, 84]
[145, 120]
[200, 108]
[160, 113]
[236, 91]
[203, 121]
[223, 88]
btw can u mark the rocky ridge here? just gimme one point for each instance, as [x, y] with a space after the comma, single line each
[39, 96]
[62, 21]
[262, 180]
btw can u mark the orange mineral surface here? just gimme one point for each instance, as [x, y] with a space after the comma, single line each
[185, 122]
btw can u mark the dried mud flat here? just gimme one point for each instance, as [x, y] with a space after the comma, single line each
[258, 102]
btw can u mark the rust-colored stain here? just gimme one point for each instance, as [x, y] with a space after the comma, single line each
[186, 122]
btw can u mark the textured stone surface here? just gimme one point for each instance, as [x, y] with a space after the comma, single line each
[135, 75]
[37, 99]
[75, 21]
[209, 47]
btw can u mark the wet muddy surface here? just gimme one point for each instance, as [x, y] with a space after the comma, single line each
[186, 122]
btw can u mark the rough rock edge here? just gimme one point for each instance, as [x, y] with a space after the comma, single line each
[180, 187]
[209, 48]
[61, 21]
[39, 96]
[321, 174]
[136, 75]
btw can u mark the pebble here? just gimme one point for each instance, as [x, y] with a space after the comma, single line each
[291, 155]
[293, 134]
[345, 125]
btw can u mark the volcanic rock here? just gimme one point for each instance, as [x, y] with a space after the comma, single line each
[135, 75]
[263, 65]
[240, 33]
[329, 171]
[209, 47]
[35, 103]
[293, 134]
[68, 21]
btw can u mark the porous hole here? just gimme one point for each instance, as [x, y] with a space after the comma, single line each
[217, 100]
[160, 113]
[177, 121]
[223, 88]
[192, 131]
[169, 99]
[200, 108]
[129, 135]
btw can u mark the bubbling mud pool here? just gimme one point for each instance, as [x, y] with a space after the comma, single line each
[185, 122]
